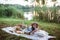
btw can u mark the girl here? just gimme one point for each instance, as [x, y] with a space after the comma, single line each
[33, 28]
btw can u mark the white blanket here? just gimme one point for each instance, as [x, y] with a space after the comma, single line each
[39, 35]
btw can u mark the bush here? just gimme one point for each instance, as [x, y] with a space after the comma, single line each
[47, 14]
[10, 11]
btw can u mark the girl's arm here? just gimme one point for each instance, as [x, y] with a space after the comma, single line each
[32, 32]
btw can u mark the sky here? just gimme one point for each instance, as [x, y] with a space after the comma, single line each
[21, 2]
[24, 3]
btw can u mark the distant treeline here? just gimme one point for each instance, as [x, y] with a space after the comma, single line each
[16, 11]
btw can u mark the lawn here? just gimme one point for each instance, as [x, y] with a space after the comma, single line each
[52, 28]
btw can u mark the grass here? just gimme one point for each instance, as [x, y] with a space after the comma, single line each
[52, 28]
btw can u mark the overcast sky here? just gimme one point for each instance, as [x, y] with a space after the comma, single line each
[21, 2]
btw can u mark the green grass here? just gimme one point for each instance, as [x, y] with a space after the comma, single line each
[13, 21]
[52, 28]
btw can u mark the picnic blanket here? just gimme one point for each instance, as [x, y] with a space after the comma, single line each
[35, 36]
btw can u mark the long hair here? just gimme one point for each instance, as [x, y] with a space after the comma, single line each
[33, 27]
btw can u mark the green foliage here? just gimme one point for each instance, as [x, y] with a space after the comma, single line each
[54, 12]
[46, 13]
[15, 11]
[10, 11]
[37, 9]
[44, 8]
[41, 11]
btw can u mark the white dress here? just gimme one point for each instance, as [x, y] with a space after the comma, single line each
[40, 34]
